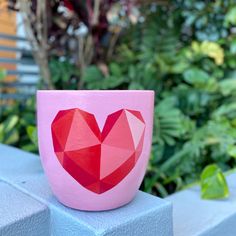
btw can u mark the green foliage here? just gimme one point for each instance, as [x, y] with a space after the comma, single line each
[33, 136]
[230, 17]
[64, 75]
[169, 123]
[94, 79]
[232, 150]
[194, 77]
[213, 183]
[206, 18]
[186, 54]
[17, 126]
[8, 131]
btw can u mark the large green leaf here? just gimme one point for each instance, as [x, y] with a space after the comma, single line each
[225, 110]
[9, 133]
[32, 133]
[168, 122]
[230, 17]
[92, 74]
[213, 183]
[94, 79]
[227, 86]
[196, 76]
[232, 150]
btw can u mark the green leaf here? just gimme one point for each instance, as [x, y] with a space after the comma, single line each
[32, 133]
[169, 122]
[29, 147]
[196, 76]
[230, 17]
[91, 74]
[233, 46]
[179, 67]
[10, 123]
[163, 192]
[8, 130]
[12, 137]
[227, 86]
[95, 80]
[213, 183]
[115, 69]
[135, 86]
[232, 150]
[225, 110]
[111, 82]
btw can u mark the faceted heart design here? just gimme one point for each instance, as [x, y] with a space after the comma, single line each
[98, 160]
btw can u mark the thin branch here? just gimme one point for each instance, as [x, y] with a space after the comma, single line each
[112, 44]
[38, 25]
[81, 59]
[89, 50]
[96, 12]
[39, 50]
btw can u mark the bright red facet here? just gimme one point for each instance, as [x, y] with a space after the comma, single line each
[98, 160]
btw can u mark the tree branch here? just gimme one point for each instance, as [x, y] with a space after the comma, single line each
[38, 40]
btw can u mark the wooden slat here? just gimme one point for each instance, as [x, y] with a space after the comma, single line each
[23, 61]
[21, 72]
[12, 37]
[17, 84]
[8, 27]
[14, 96]
[15, 49]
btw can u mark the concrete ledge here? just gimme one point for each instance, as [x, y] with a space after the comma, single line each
[194, 216]
[145, 215]
[21, 214]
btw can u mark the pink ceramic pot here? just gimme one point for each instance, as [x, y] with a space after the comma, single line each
[95, 145]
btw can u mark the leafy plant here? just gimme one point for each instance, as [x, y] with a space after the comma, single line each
[184, 50]
[17, 126]
[63, 74]
[195, 110]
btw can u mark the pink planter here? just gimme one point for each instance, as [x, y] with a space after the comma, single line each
[95, 145]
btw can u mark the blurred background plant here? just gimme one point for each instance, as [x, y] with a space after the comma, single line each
[185, 50]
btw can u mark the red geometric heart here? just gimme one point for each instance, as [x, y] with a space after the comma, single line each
[98, 160]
